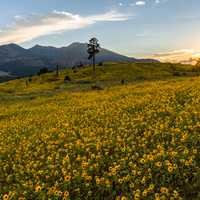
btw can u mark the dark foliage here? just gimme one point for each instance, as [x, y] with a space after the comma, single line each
[43, 71]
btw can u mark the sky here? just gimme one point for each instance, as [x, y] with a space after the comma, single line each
[161, 28]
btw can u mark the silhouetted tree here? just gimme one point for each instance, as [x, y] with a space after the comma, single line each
[57, 70]
[198, 65]
[43, 71]
[93, 49]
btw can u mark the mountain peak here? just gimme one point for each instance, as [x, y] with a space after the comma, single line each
[37, 46]
[11, 45]
[77, 44]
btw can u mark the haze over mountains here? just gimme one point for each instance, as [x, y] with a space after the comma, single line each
[19, 62]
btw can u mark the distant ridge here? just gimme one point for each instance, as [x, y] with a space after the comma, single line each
[19, 61]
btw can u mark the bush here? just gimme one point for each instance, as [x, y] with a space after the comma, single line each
[176, 74]
[67, 79]
[43, 71]
[96, 87]
[100, 64]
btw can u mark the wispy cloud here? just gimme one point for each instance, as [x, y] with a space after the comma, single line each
[30, 27]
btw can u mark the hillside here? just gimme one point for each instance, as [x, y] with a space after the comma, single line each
[107, 75]
[20, 62]
[139, 140]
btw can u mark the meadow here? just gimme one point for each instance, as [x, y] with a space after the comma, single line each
[140, 140]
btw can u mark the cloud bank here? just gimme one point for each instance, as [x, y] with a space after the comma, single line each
[185, 56]
[28, 28]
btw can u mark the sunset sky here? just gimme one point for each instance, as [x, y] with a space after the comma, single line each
[162, 28]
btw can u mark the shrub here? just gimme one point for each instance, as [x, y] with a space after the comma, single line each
[43, 71]
[67, 79]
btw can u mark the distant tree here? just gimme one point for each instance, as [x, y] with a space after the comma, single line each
[198, 64]
[57, 70]
[196, 68]
[43, 71]
[122, 81]
[93, 49]
[100, 64]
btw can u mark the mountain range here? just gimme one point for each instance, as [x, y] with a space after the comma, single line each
[18, 61]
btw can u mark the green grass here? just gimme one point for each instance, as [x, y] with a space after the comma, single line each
[108, 75]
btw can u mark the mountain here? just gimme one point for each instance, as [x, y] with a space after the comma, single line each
[19, 61]
[75, 53]
[23, 62]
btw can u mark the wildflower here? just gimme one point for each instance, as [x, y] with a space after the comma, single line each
[144, 193]
[21, 198]
[195, 151]
[66, 158]
[66, 194]
[5, 197]
[67, 178]
[158, 164]
[59, 193]
[137, 195]
[157, 196]
[84, 164]
[143, 180]
[175, 194]
[170, 169]
[164, 190]
[142, 161]
[151, 186]
[98, 181]
[38, 188]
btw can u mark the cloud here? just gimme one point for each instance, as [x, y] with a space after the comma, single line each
[140, 3]
[186, 56]
[160, 1]
[144, 2]
[30, 27]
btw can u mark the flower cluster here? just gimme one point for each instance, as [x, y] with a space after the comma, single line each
[127, 142]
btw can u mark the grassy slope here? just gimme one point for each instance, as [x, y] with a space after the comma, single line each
[132, 140]
[108, 75]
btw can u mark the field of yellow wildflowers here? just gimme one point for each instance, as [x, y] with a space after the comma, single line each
[138, 141]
